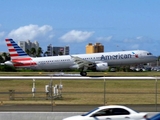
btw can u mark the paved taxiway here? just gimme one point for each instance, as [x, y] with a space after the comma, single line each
[69, 108]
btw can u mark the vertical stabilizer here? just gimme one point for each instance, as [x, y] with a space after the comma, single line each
[15, 51]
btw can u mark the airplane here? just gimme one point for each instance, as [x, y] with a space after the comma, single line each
[82, 62]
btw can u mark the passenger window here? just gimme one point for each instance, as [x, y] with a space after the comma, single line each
[120, 111]
[105, 112]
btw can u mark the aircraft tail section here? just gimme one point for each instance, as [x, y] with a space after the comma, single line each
[15, 51]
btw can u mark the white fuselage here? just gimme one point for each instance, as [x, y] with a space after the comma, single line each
[112, 58]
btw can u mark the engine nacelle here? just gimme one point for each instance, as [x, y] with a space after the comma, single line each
[74, 67]
[9, 63]
[102, 66]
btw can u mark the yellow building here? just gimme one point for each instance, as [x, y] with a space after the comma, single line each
[96, 48]
[89, 48]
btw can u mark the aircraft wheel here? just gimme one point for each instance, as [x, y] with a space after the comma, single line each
[83, 73]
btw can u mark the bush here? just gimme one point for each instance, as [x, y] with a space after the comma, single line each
[7, 68]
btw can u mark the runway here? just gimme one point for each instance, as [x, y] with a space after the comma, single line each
[69, 108]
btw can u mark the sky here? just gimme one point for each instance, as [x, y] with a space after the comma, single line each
[117, 24]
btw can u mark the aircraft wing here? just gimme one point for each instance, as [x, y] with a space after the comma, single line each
[82, 63]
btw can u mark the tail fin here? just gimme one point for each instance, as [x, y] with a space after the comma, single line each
[15, 51]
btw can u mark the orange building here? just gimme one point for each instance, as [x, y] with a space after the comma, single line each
[96, 48]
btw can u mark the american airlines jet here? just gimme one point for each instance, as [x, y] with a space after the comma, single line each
[83, 62]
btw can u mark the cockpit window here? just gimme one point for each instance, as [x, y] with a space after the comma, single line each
[149, 53]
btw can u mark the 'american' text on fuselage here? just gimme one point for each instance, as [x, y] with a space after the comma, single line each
[118, 56]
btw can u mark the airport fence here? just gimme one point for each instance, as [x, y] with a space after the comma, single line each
[96, 91]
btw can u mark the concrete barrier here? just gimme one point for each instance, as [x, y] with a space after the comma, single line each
[42, 115]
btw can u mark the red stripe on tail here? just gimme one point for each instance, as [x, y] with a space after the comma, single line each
[9, 45]
[12, 50]
[14, 55]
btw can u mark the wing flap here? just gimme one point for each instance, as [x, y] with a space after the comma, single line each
[82, 63]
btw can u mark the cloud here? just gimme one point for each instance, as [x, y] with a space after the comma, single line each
[135, 46]
[31, 32]
[2, 34]
[139, 37]
[76, 36]
[128, 40]
[104, 38]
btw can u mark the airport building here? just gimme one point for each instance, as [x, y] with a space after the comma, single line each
[96, 48]
[55, 51]
[28, 45]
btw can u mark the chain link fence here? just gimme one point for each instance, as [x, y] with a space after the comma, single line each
[92, 92]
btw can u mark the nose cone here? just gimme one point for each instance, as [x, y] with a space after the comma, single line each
[9, 63]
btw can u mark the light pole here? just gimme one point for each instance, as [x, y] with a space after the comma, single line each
[105, 89]
[33, 88]
[51, 93]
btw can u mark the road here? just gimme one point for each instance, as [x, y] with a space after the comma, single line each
[68, 108]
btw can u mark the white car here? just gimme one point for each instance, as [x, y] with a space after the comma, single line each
[111, 112]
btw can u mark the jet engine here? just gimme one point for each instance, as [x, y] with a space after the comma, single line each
[101, 66]
[9, 63]
[74, 67]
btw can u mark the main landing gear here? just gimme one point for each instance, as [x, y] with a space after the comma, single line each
[83, 73]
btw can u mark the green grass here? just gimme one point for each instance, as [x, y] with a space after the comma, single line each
[116, 74]
[83, 91]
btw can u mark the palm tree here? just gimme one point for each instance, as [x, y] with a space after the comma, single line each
[1, 59]
[60, 53]
[45, 53]
[33, 52]
[28, 52]
[6, 56]
[158, 58]
[54, 53]
[40, 51]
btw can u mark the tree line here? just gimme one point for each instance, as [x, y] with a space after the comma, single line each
[39, 52]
